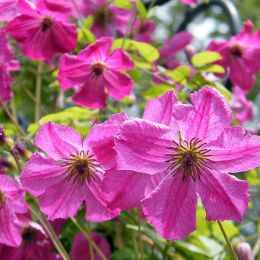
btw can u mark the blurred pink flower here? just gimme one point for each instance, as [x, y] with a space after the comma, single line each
[143, 31]
[173, 46]
[72, 172]
[93, 70]
[242, 107]
[80, 247]
[197, 148]
[241, 54]
[41, 29]
[7, 65]
[12, 203]
[108, 18]
[35, 245]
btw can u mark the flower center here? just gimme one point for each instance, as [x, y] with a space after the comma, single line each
[103, 16]
[29, 234]
[236, 50]
[2, 199]
[81, 167]
[98, 69]
[189, 158]
[46, 23]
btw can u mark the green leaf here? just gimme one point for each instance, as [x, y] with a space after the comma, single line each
[88, 22]
[253, 176]
[147, 51]
[156, 91]
[224, 91]
[126, 4]
[206, 57]
[73, 114]
[141, 9]
[214, 68]
[179, 74]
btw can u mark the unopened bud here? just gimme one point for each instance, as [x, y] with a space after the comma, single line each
[19, 149]
[244, 251]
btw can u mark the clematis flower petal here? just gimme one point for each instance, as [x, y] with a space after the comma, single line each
[53, 139]
[100, 140]
[160, 109]
[97, 51]
[92, 94]
[171, 207]
[61, 200]
[142, 145]
[235, 150]
[10, 233]
[120, 60]
[223, 196]
[209, 116]
[96, 205]
[126, 189]
[40, 173]
[118, 84]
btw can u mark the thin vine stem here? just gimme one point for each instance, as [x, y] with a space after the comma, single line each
[38, 91]
[85, 233]
[227, 240]
[48, 228]
[140, 235]
[90, 242]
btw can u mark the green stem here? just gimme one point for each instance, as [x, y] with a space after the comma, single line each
[90, 242]
[165, 250]
[48, 228]
[86, 234]
[14, 121]
[140, 236]
[227, 240]
[16, 160]
[38, 91]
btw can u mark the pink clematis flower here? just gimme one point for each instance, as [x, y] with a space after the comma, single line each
[12, 204]
[35, 245]
[242, 107]
[108, 18]
[198, 149]
[143, 31]
[93, 70]
[173, 46]
[7, 65]
[41, 29]
[72, 173]
[241, 54]
[125, 189]
[80, 247]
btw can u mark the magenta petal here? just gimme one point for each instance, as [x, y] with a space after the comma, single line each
[100, 140]
[210, 115]
[80, 247]
[160, 109]
[98, 51]
[171, 207]
[235, 150]
[58, 141]
[10, 233]
[142, 145]
[62, 200]
[118, 84]
[73, 71]
[119, 60]
[92, 94]
[223, 196]
[126, 189]
[40, 173]
[96, 204]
